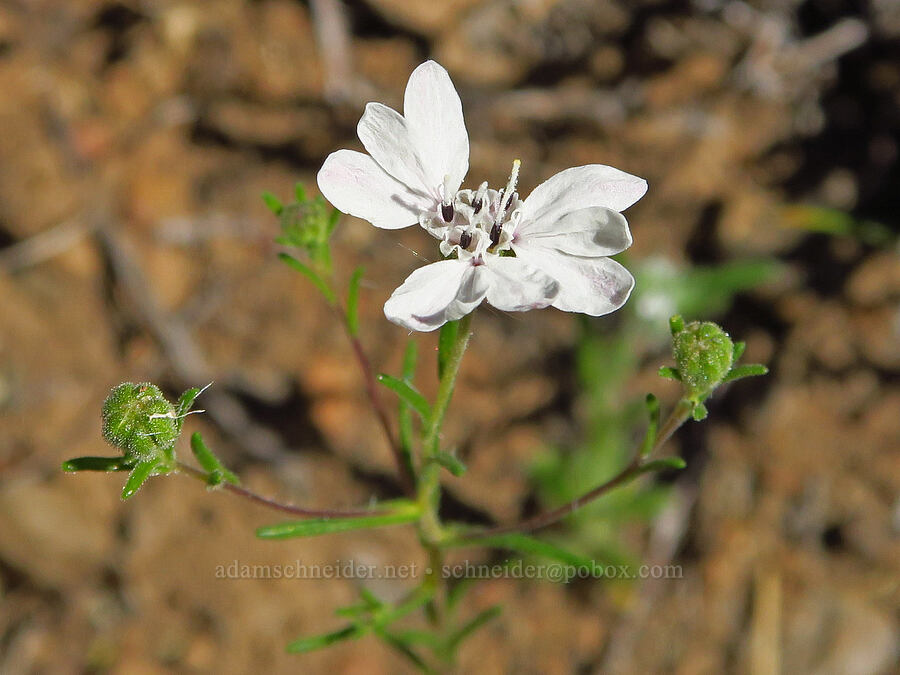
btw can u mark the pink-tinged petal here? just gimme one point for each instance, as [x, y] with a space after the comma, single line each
[593, 286]
[355, 184]
[434, 118]
[582, 187]
[437, 293]
[516, 286]
[386, 137]
[591, 232]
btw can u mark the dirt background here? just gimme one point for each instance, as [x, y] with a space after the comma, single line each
[136, 139]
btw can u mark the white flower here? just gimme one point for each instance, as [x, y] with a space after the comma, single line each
[550, 249]
[418, 159]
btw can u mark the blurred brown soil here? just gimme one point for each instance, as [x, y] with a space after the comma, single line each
[136, 140]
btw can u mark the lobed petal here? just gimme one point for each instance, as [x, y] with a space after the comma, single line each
[354, 183]
[594, 286]
[437, 293]
[591, 232]
[435, 122]
[515, 286]
[582, 187]
[385, 135]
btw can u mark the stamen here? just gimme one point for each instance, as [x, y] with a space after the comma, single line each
[495, 233]
[507, 194]
[465, 239]
[447, 202]
[478, 202]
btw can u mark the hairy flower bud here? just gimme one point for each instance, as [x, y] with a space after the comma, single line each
[703, 354]
[139, 421]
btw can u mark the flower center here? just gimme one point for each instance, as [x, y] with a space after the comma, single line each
[475, 223]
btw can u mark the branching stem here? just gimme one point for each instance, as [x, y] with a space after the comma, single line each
[188, 470]
[680, 414]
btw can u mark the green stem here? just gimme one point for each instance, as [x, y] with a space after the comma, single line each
[429, 488]
[446, 386]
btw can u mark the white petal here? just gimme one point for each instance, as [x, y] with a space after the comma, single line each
[516, 286]
[355, 184]
[591, 232]
[434, 118]
[582, 187]
[437, 293]
[385, 135]
[594, 286]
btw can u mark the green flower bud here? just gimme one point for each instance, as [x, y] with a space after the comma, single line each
[139, 421]
[704, 355]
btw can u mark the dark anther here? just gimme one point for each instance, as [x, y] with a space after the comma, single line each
[495, 234]
[465, 239]
[513, 197]
[447, 212]
[477, 204]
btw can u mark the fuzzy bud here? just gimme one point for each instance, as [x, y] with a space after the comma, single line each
[139, 421]
[704, 355]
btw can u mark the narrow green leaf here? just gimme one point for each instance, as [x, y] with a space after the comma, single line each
[450, 462]
[670, 373]
[98, 464]
[300, 193]
[738, 352]
[523, 543]
[310, 274]
[446, 341]
[273, 203]
[676, 324]
[404, 415]
[652, 404]
[138, 477]
[212, 464]
[318, 526]
[470, 627]
[404, 649]
[186, 402]
[353, 301]
[664, 464]
[333, 219]
[408, 394]
[749, 370]
[356, 613]
[372, 601]
[457, 592]
[313, 642]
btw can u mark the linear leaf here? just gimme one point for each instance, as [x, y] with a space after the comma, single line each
[652, 404]
[98, 464]
[273, 203]
[318, 526]
[524, 543]
[353, 301]
[470, 627]
[313, 642]
[310, 274]
[408, 394]
[749, 370]
[403, 413]
[138, 477]
[664, 464]
[212, 464]
[450, 462]
[670, 373]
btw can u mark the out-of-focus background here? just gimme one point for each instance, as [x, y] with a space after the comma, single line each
[136, 139]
